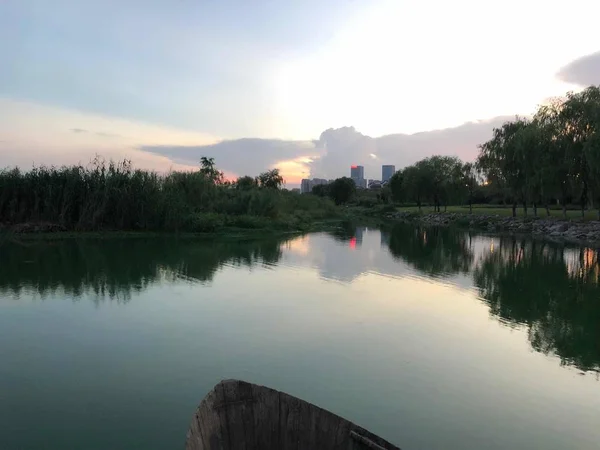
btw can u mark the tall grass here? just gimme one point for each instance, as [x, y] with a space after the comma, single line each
[115, 196]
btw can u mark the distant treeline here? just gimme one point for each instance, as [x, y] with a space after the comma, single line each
[552, 157]
[114, 196]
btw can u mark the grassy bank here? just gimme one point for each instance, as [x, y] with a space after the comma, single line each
[225, 234]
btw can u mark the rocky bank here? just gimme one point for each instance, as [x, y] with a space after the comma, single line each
[552, 228]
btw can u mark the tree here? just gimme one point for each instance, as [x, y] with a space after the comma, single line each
[469, 178]
[501, 157]
[554, 164]
[445, 182]
[342, 190]
[321, 190]
[396, 185]
[417, 181]
[245, 183]
[580, 120]
[270, 179]
[208, 169]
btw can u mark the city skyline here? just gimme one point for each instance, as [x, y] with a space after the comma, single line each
[357, 174]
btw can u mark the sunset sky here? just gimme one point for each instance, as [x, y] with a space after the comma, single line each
[308, 86]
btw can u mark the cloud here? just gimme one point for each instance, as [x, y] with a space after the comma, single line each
[160, 148]
[331, 155]
[97, 133]
[583, 71]
[109, 135]
[241, 156]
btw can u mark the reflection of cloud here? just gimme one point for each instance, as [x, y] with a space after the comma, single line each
[349, 259]
[583, 71]
[300, 245]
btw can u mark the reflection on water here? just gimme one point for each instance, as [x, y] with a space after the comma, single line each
[468, 341]
[117, 268]
[433, 251]
[551, 289]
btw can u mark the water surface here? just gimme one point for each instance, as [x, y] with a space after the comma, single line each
[434, 339]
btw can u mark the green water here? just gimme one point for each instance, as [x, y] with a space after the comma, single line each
[433, 339]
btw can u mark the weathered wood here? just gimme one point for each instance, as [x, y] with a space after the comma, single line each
[237, 415]
[365, 441]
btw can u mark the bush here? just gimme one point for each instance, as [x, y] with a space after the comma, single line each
[206, 222]
[115, 196]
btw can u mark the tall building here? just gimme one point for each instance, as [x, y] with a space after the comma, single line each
[306, 185]
[357, 173]
[387, 172]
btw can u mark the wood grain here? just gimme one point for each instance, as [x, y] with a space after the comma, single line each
[236, 415]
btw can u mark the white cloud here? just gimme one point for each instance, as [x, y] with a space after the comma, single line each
[412, 66]
[336, 149]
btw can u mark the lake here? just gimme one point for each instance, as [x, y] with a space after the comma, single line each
[431, 338]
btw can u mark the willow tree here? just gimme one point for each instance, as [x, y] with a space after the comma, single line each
[580, 120]
[502, 157]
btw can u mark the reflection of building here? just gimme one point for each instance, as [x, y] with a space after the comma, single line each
[359, 235]
[583, 263]
[307, 185]
[357, 173]
[387, 172]
[385, 239]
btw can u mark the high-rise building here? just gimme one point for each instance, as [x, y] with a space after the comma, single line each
[306, 185]
[357, 172]
[319, 181]
[387, 172]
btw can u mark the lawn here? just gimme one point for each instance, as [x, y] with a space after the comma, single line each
[572, 214]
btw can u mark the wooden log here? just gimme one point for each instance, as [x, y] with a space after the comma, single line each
[237, 415]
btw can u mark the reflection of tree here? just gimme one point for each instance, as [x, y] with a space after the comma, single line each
[117, 268]
[435, 251]
[345, 232]
[557, 297]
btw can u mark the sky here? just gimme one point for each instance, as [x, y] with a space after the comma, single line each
[308, 86]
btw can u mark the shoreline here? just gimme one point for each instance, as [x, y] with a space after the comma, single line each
[560, 230]
[553, 229]
[49, 231]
